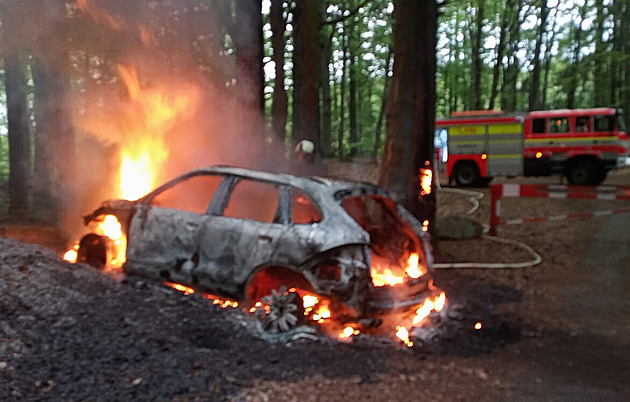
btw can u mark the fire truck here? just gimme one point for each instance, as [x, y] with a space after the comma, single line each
[580, 144]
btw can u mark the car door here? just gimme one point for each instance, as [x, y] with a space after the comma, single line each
[243, 235]
[164, 233]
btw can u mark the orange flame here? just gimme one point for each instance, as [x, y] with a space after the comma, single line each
[98, 15]
[391, 276]
[403, 334]
[426, 180]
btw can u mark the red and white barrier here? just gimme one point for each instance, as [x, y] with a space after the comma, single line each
[557, 191]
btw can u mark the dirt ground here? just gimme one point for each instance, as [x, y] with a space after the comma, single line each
[559, 331]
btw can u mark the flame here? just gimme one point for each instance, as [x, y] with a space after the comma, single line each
[426, 180]
[146, 150]
[403, 334]
[145, 121]
[392, 276]
[437, 304]
[72, 254]
[98, 15]
[184, 289]
[478, 326]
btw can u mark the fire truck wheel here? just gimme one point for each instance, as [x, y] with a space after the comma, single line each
[466, 174]
[585, 173]
[93, 250]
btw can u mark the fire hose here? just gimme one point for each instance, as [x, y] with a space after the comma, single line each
[474, 197]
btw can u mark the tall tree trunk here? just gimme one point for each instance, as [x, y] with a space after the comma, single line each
[324, 82]
[381, 114]
[509, 95]
[352, 73]
[547, 58]
[342, 100]
[279, 107]
[534, 90]
[17, 112]
[601, 77]
[307, 41]
[500, 49]
[476, 39]
[411, 106]
[248, 40]
[574, 67]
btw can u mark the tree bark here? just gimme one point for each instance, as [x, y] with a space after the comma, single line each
[411, 106]
[500, 49]
[534, 90]
[326, 36]
[279, 108]
[17, 112]
[307, 105]
[381, 115]
[353, 106]
[476, 65]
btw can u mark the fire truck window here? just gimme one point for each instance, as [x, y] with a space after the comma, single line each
[192, 195]
[558, 125]
[253, 200]
[538, 126]
[582, 124]
[303, 210]
[604, 123]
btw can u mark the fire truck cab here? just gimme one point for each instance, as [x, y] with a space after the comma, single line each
[581, 144]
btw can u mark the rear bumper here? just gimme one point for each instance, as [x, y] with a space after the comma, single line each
[400, 298]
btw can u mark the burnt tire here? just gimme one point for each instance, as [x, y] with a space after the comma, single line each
[93, 250]
[586, 173]
[466, 174]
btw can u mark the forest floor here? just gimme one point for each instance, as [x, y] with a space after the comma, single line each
[559, 331]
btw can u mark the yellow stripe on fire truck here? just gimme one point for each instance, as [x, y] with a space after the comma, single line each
[505, 128]
[467, 130]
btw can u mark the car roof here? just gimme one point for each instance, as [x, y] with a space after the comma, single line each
[314, 185]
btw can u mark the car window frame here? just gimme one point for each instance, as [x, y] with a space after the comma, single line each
[290, 206]
[284, 198]
[147, 199]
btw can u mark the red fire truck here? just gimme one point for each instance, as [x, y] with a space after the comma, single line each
[581, 144]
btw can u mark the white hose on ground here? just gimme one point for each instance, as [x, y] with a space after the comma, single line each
[537, 259]
[474, 197]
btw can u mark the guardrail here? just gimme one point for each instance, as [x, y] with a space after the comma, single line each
[557, 191]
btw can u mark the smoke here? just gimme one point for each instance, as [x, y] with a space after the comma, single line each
[124, 58]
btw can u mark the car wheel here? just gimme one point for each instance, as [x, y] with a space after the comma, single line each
[586, 172]
[93, 250]
[283, 310]
[466, 174]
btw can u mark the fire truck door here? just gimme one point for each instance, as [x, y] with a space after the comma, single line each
[505, 149]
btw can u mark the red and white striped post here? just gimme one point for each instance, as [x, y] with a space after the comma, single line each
[558, 191]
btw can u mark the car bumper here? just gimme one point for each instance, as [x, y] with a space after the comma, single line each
[400, 298]
[623, 161]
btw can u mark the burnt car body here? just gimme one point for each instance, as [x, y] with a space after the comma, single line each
[240, 233]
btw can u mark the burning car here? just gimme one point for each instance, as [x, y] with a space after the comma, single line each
[244, 234]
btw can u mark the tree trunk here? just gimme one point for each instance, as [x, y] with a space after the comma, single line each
[324, 83]
[534, 90]
[476, 39]
[573, 69]
[307, 105]
[500, 49]
[381, 115]
[342, 100]
[17, 116]
[279, 112]
[601, 77]
[509, 95]
[248, 40]
[352, 107]
[547, 58]
[411, 106]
